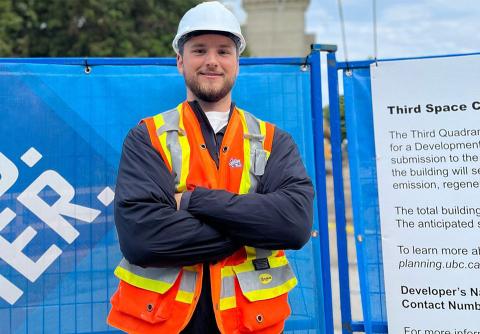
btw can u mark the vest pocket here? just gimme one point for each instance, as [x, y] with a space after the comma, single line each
[143, 304]
[264, 316]
[262, 295]
[146, 293]
[266, 283]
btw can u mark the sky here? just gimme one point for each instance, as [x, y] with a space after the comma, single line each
[405, 28]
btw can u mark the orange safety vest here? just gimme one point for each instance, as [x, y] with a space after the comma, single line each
[250, 287]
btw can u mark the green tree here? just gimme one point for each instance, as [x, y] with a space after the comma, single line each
[89, 28]
[9, 21]
[326, 116]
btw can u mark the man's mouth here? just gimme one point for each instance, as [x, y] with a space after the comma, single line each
[211, 74]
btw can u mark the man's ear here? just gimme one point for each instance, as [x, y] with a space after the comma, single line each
[180, 63]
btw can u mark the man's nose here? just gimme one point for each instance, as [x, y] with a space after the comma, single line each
[211, 59]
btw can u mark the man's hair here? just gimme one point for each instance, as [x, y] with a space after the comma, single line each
[186, 37]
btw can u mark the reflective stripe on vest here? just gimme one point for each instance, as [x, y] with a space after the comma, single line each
[267, 283]
[256, 284]
[259, 253]
[255, 158]
[150, 278]
[159, 279]
[227, 293]
[187, 285]
[174, 142]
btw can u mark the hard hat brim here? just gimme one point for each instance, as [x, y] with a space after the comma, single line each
[239, 41]
[178, 37]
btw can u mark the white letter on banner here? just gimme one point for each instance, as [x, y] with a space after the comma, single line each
[12, 253]
[8, 176]
[8, 291]
[52, 215]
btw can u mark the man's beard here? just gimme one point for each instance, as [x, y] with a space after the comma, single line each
[208, 94]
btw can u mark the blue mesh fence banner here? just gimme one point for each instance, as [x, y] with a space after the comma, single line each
[363, 177]
[61, 133]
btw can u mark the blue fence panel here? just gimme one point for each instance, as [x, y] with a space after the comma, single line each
[363, 177]
[61, 135]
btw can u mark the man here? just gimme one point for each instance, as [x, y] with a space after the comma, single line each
[206, 196]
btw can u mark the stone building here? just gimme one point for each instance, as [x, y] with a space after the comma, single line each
[277, 28]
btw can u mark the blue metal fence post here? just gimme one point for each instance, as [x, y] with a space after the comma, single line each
[321, 188]
[336, 143]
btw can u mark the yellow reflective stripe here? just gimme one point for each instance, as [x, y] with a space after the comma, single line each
[245, 182]
[142, 282]
[184, 297]
[228, 303]
[274, 262]
[263, 130]
[185, 146]
[251, 252]
[227, 271]
[227, 291]
[188, 282]
[271, 292]
[159, 121]
[158, 118]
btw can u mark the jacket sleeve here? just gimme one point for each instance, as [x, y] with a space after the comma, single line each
[151, 231]
[278, 216]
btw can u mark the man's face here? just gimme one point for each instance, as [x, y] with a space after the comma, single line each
[209, 65]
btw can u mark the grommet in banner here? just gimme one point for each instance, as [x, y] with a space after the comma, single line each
[149, 307]
[203, 146]
[348, 72]
[87, 69]
[304, 66]
[259, 318]
[225, 149]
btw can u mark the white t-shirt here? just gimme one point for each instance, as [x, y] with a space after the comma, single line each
[217, 119]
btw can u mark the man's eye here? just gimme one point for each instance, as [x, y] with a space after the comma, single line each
[224, 52]
[198, 51]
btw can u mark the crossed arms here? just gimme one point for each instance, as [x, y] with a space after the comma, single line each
[215, 223]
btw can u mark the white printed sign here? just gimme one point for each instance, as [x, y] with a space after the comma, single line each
[427, 140]
[52, 215]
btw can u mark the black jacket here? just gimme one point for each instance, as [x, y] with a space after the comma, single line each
[211, 224]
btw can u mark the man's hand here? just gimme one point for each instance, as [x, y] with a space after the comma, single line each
[178, 198]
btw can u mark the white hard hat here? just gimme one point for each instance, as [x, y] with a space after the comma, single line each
[210, 16]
